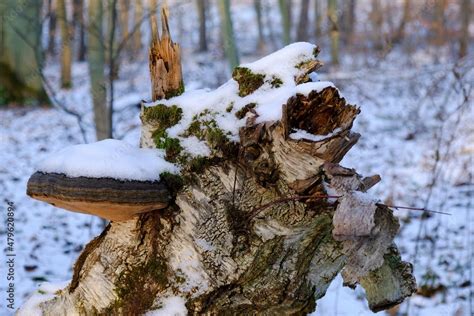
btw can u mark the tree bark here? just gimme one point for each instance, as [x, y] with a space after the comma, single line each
[96, 60]
[253, 230]
[21, 54]
[66, 42]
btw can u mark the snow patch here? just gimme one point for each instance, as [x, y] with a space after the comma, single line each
[170, 306]
[302, 134]
[45, 292]
[108, 158]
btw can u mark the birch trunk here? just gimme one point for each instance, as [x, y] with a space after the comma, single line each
[250, 231]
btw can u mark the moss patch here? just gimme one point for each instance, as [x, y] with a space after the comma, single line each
[240, 114]
[165, 116]
[138, 287]
[248, 81]
[276, 82]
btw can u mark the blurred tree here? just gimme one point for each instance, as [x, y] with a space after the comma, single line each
[202, 8]
[400, 34]
[51, 27]
[349, 19]
[302, 33]
[228, 33]
[317, 18]
[66, 49]
[21, 55]
[78, 25]
[377, 20]
[138, 18]
[285, 20]
[96, 58]
[333, 31]
[439, 22]
[465, 15]
[124, 8]
[258, 12]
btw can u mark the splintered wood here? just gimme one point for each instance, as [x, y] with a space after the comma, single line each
[165, 61]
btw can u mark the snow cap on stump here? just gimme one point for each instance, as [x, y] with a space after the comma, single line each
[110, 179]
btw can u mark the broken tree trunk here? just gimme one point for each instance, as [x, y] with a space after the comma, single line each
[259, 227]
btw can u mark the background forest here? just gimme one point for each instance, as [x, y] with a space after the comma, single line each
[75, 71]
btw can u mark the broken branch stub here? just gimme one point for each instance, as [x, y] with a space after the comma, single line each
[165, 62]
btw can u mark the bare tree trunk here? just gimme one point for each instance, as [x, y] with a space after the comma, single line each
[400, 34]
[465, 19]
[79, 26]
[21, 53]
[96, 60]
[317, 18]
[227, 28]
[201, 6]
[251, 230]
[376, 15]
[285, 20]
[66, 49]
[302, 34]
[439, 23]
[350, 20]
[138, 19]
[333, 31]
[124, 8]
[257, 4]
[51, 27]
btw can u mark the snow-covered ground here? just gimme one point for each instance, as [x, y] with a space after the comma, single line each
[417, 133]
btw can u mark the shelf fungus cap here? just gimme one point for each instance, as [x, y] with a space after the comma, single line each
[110, 179]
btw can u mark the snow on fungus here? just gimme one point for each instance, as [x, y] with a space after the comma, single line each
[110, 179]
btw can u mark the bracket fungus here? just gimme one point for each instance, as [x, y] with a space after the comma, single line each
[107, 179]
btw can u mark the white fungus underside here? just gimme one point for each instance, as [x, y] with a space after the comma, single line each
[108, 158]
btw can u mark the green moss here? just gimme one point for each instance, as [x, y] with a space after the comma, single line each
[230, 107]
[164, 116]
[173, 182]
[240, 114]
[171, 145]
[276, 82]
[132, 295]
[248, 81]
